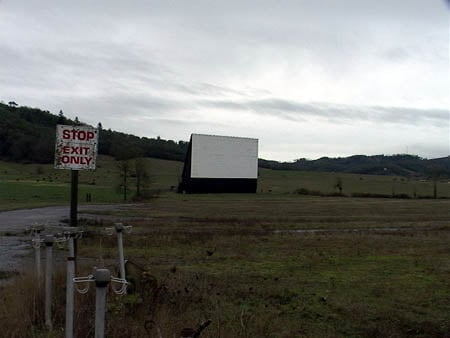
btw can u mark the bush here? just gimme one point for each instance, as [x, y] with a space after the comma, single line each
[304, 191]
[370, 195]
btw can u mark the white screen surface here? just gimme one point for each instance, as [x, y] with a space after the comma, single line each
[224, 157]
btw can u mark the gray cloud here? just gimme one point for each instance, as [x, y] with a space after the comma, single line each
[167, 67]
[298, 111]
[398, 54]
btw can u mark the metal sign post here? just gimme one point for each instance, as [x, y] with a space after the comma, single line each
[74, 198]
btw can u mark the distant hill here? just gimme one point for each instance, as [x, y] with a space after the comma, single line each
[28, 135]
[402, 165]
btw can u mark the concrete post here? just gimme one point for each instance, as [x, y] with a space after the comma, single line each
[49, 240]
[70, 288]
[119, 229]
[102, 277]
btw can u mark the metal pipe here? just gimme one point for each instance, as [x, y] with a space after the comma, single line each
[119, 229]
[37, 256]
[49, 239]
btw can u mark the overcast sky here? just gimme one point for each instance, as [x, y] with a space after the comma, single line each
[308, 78]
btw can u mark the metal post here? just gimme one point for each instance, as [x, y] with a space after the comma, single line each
[49, 239]
[74, 199]
[70, 288]
[102, 278]
[74, 206]
[37, 250]
[119, 229]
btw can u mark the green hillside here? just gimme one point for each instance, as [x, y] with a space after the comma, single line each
[402, 165]
[27, 135]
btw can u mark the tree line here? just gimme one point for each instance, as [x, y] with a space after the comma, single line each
[28, 135]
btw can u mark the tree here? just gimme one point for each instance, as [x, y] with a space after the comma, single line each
[393, 187]
[435, 180]
[436, 173]
[124, 168]
[61, 118]
[339, 185]
[142, 177]
[12, 104]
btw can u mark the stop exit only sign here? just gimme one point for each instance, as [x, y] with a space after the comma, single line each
[76, 147]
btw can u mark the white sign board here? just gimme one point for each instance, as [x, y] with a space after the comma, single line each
[224, 157]
[76, 147]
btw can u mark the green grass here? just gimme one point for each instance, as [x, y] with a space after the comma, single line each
[284, 212]
[31, 185]
[287, 181]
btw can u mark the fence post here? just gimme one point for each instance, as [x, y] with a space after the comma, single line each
[49, 240]
[70, 287]
[102, 277]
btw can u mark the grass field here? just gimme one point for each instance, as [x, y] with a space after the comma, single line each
[31, 185]
[287, 181]
[236, 260]
[34, 185]
[271, 264]
[263, 282]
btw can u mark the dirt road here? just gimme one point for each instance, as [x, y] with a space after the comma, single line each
[15, 243]
[18, 220]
